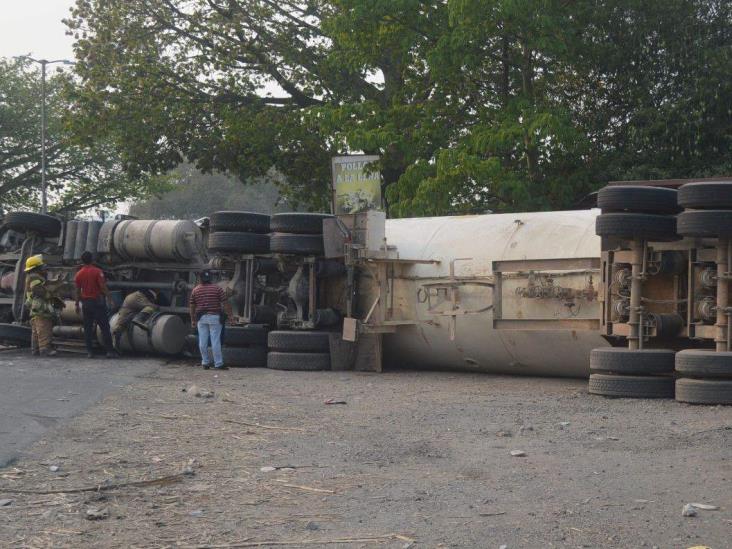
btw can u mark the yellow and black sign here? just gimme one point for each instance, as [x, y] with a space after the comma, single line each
[356, 185]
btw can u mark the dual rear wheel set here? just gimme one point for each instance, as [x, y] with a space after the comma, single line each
[696, 210]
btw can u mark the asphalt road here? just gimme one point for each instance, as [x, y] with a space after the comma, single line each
[39, 395]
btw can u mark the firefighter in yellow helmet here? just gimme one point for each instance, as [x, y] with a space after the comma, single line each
[42, 305]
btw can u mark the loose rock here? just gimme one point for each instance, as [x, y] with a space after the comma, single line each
[518, 453]
[689, 511]
[5, 502]
[97, 514]
[54, 468]
[267, 469]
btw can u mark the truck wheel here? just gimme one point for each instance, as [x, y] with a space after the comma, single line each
[192, 345]
[657, 228]
[631, 386]
[637, 198]
[241, 336]
[14, 334]
[704, 391]
[44, 225]
[621, 360]
[297, 244]
[314, 342]
[705, 223]
[298, 223]
[244, 357]
[239, 243]
[701, 196]
[667, 324]
[264, 314]
[704, 363]
[246, 222]
[298, 361]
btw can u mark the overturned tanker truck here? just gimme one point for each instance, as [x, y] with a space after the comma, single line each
[633, 293]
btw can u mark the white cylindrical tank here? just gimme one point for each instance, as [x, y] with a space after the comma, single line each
[475, 242]
[168, 240]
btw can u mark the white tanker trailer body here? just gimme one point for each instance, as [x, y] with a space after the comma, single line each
[511, 293]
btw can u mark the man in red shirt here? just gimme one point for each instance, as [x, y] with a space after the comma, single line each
[207, 303]
[91, 291]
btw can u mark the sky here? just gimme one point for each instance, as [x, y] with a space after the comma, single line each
[35, 27]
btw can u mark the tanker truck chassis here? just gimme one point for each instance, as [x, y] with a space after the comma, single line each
[602, 292]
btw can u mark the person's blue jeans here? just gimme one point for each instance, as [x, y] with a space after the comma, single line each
[209, 328]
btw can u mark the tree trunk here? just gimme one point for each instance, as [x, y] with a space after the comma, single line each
[527, 82]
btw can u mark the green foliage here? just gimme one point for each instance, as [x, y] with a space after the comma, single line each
[79, 176]
[472, 105]
[193, 195]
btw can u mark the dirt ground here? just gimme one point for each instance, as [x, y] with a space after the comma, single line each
[417, 459]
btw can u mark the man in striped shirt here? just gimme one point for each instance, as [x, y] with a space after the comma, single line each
[207, 304]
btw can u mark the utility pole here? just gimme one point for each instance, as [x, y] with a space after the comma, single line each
[44, 194]
[43, 63]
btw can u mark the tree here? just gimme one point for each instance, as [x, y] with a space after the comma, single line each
[191, 196]
[79, 177]
[471, 104]
[174, 79]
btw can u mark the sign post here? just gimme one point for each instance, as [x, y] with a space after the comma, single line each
[355, 189]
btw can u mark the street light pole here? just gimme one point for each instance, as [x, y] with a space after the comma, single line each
[43, 63]
[44, 194]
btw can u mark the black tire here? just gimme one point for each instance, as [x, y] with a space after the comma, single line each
[14, 334]
[239, 243]
[712, 195]
[631, 386]
[298, 361]
[637, 198]
[705, 223]
[242, 336]
[704, 391]
[313, 342]
[297, 244]
[264, 314]
[658, 228]
[298, 223]
[192, 345]
[245, 357]
[667, 324]
[44, 225]
[643, 362]
[704, 363]
[246, 222]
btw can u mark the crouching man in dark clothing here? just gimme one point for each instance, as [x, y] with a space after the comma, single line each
[92, 296]
[140, 301]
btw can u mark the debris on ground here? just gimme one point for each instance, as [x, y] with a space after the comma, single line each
[689, 511]
[334, 401]
[705, 506]
[197, 391]
[518, 453]
[94, 513]
[54, 468]
[5, 502]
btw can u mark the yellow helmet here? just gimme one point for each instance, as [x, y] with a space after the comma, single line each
[33, 262]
